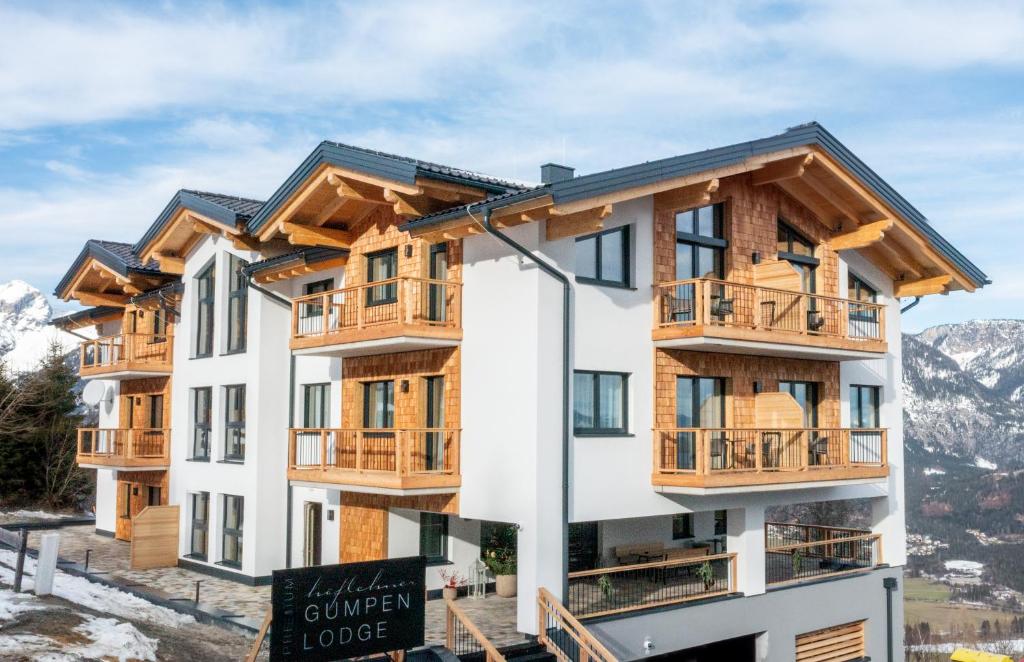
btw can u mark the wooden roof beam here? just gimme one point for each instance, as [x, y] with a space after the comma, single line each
[98, 299]
[354, 190]
[410, 205]
[779, 170]
[863, 236]
[924, 286]
[306, 235]
[584, 222]
[688, 197]
[822, 188]
[171, 264]
[903, 265]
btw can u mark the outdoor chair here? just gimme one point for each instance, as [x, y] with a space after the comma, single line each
[818, 452]
[815, 320]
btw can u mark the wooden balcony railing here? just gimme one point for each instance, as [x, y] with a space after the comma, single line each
[464, 638]
[122, 447]
[801, 552]
[703, 303]
[563, 635]
[388, 308]
[615, 590]
[397, 458]
[703, 457]
[127, 351]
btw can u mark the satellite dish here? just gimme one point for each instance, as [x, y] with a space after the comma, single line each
[96, 392]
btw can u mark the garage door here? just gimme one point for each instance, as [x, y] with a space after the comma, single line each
[835, 644]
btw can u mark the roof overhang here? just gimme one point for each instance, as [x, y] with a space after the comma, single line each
[88, 317]
[860, 210]
[99, 277]
[298, 263]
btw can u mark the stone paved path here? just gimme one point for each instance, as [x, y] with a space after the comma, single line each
[495, 616]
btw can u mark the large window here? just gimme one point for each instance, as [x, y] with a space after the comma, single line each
[600, 402]
[205, 295]
[799, 252]
[700, 243]
[379, 405]
[864, 406]
[806, 395]
[682, 526]
[200, 524]
[434, 537]
[700, 403]
[315, 308]
[202, 400]
[231, 551]
[603, 258]
[316, 399]
[382, 266]
[234, 423]
[864, 317]
[237, 299]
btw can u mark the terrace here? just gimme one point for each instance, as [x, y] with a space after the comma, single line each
[121, 448]
[126, 356]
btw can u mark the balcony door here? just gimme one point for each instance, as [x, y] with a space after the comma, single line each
[312, 544]
[433, 449]
[700, 253]
[700, 403]
[436, 291]
[379, 424]
[806, 396]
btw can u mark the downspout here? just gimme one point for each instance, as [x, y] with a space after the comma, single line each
[910, 305]
[277, 298]
[566, 376]
[889, 583]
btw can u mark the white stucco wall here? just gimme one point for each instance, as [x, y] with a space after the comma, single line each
[463, 543]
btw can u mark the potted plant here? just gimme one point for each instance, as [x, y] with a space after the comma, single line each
[452, 581]
[706, 574]
[500, 557]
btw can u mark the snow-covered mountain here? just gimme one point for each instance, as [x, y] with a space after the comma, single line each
[25, 334]
[963, 387]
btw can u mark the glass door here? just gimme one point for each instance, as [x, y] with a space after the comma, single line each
[379, 423]
[433, 451]
[436, 292]
[700, 253]
[700, 403]
[806, 395]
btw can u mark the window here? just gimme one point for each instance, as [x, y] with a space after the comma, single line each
[231, 552]
[158, 325]
[434, 537]
[152, 495]
[200, 524]
[682, 526]
[237, 298]
[315, 308]
[792, 243]
[603, 258]
[156, 411]
[864, 406]
[379, 405]
[721, 522]
[599, 402]
[700, 403]
[127, 490]
[437, 296]
[382, 266]
[864, 316]
[860, 291]
[316, 400]
[700, 243]
[204, 312]
[234, 423]
[202, 400]
[806, 395]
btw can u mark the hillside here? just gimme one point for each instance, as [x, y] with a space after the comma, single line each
[25, 333]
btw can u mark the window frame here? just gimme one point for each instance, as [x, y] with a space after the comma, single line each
[722, 517]
[232, 426]
[876, 406]
[241, 294]
[204, 522]
[388, 293]
[696, 241]
[308, 310]
[598, 431]
[793, 236]
[325, 404]
[388, 416]
[208, 273]
[230, 532]
[441, 522]
[814, 390]
[627, 259]
[686, 530]
[206, 426]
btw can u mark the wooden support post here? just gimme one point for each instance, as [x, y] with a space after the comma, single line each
[260, 636]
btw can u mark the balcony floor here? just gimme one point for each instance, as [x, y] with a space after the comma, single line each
[375, 482]
[388, 339]
[764, 342]
[140, 371]
[744, 482]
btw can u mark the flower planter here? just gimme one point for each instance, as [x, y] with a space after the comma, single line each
[449, 592]
[505, 585]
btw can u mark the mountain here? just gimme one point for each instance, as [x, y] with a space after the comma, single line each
[963, 390]
[25, 334]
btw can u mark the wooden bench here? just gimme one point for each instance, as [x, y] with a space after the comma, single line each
[639, 553]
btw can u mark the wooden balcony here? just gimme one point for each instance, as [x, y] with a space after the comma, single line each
[692, 460]
[120, 448]
[716, 315]
[396, 315]
[387, 461]
[126, 356]
[796, 553]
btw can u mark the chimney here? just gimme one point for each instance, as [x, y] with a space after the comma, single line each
[551, 173]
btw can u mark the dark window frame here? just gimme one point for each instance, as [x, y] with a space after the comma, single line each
[859, 285]
[388, 416]
[596, 380]
[381, 295]
[202, 427]
[430, 521]
[696, 241]
[794, 236]
[204, 524]
[230, 532]
[234, 428]
[204, 344]
[627, 258]
[307, 310]
[858, 391]
[814, 391]
[325, 404]
[682, 526]
[722, 522]
[238, 289]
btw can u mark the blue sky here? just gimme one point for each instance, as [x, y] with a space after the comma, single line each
[106, 110]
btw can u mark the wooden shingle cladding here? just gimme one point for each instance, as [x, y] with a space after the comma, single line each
[133, 497]
[136, 442]
[364, 521]
[143, 345]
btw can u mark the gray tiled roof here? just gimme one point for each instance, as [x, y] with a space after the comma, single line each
[117, 255]
[245, 207]
[126, 254]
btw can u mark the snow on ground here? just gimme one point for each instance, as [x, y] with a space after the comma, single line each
[12, 604]
[110, 638]
[965, 567]
[982, 463]
[96, 596]
[932, 471]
